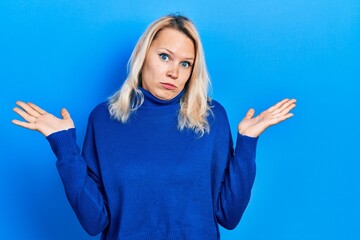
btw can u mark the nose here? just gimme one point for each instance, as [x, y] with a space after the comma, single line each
[173, 71]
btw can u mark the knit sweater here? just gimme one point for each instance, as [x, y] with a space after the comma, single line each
[147, 180]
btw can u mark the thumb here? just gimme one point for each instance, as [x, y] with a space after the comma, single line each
[65, 114]
[250, 113]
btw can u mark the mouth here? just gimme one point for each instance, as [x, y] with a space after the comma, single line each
[168, 86]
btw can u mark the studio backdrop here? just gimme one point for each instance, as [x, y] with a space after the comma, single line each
[74, 53]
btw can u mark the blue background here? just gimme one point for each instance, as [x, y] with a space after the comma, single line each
[74, 54]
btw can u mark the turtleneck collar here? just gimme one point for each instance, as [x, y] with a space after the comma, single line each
[151, 100]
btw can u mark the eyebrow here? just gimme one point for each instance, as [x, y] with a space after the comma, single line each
[174, 53]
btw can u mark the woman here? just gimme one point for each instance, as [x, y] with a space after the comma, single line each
[158, 159]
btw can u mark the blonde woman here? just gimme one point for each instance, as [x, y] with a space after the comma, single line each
[158, 160]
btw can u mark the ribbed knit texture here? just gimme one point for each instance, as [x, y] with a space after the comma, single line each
[147, 180]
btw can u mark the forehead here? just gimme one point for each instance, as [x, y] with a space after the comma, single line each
[174, 41]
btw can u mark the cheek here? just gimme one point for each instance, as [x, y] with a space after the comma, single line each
[156, 68]
[148, 72]
[185, 75]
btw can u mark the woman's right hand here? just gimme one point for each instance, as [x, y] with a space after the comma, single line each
[39, 120]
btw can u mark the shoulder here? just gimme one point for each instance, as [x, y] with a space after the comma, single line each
[218, 113]
[100, 112]
[217, 109]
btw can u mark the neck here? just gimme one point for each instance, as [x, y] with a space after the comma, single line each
[151, 100]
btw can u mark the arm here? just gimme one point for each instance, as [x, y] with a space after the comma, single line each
[239, 174]
[237, 180]
[81, 179]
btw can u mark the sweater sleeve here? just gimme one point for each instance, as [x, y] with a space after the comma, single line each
[237, 178]
[81, 178]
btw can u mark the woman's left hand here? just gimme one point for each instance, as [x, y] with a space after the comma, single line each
[254, 126]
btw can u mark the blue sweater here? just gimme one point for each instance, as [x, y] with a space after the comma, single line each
[147, 180]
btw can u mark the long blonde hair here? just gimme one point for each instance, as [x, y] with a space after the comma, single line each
[195, 102]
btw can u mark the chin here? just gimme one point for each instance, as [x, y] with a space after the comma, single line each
[166, 96]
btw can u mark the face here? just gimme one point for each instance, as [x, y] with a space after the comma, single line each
[168, 64]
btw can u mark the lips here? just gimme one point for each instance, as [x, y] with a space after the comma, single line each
[168, 86]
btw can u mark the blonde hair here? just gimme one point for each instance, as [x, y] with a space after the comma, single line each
[194, 103]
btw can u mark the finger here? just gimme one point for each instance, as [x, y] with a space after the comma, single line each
[28, 109]
[250, 113]
[23, 124]
[281, 118]
[284, 106]
[285, 111]
[37, 108]
[271, 109]
[65, 114]
[24, 115]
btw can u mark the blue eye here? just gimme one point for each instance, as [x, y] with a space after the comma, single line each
[185, 64]
[164, 56]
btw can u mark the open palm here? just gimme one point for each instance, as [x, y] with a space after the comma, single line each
[39, 120]
[254, 126]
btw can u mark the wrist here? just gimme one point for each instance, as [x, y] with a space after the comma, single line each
[249, 134]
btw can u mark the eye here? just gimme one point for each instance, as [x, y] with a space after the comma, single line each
[185, 64]
[164, 56]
